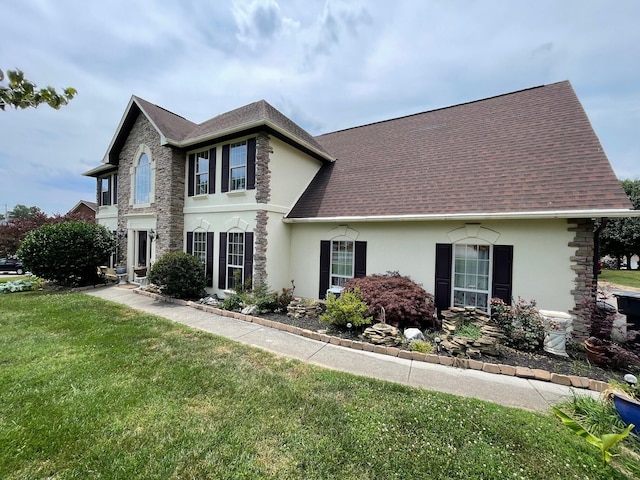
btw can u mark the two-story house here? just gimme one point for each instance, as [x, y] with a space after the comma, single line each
[493, 198]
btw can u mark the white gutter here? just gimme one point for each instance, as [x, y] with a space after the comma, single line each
[240, 128]
[471, 216]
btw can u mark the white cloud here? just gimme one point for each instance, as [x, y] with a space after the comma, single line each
[328, 65]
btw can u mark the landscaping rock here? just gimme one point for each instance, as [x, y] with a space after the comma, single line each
[250, 310]
[383, 334]
[487, 344]
[413, 334]
[299, 308]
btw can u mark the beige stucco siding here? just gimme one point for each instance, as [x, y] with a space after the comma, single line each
[541, 265]
[291, 173]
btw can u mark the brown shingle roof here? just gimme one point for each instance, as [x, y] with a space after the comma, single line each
[528, 151]
[254, 113]
[180, 130]
[171, 125]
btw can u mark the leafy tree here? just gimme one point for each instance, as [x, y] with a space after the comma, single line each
[21, 93]
[22, 211]
[23, 220]
[68, 253]
[621, 236]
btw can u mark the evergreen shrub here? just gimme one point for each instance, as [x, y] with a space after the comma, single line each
[67, 253]
[179, 275]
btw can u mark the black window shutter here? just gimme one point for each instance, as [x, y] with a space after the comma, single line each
[360, 261]
[325, 260]
[222, 261]
[444, 255]
[115, 189]
[209, 265]
[212, 170]
[248, 256]
[189, 243]
[191, 173]
[502, 273]
[251, 164]
[225, 169]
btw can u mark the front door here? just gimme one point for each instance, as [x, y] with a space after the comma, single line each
[142, 248]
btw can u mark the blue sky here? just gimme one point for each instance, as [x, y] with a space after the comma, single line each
[327, 65]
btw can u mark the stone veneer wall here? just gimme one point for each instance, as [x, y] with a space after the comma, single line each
[582, 265]
[169, 187]
[170, 177]
[263, 195]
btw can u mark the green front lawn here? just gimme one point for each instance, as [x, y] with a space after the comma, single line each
[627, 278]
[91, 389]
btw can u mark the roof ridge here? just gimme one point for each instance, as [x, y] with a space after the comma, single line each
[440, 108]
[162, 108]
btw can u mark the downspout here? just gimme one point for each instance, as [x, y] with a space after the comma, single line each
[596, 247]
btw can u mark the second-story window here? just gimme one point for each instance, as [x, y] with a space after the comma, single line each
[202, 173]
[105, 191]
[238, 166]
[108, 190]
[143, 180]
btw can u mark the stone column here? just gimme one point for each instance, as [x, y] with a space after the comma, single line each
[263, 195]
[584, 292]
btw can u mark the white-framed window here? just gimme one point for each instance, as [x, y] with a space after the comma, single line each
[105, 191]
[142, 192]
[202, 173]
[200, 246]
[235, 258]
[471, 275]
[342, 262]
[238, 166]
[108, 190]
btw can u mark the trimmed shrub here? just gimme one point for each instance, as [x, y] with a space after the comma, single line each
[521, 323]
[67, 253]
[404, 302]
[179, 275]
[347, 309]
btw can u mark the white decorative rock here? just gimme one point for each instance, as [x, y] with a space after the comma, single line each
[413, 334]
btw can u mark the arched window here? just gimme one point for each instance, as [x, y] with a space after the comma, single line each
[143, 180]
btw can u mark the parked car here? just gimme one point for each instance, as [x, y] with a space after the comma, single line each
[11, 265]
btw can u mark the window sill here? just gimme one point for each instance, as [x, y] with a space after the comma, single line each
[204, 196]
[237, 193]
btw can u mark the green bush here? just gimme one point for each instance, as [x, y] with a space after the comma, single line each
[349, 308]
[16, 286]
[67, 253]
[521, 323]
[401, 301]
[179, 275]
[267, 301]
[421, 346]
[468, 330]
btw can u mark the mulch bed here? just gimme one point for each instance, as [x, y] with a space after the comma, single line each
[576, 364]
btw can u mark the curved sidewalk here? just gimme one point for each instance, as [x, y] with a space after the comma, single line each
[517, 392]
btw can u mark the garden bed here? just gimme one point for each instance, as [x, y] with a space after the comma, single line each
[577, 364]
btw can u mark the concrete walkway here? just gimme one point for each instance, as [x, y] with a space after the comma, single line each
[517, 392]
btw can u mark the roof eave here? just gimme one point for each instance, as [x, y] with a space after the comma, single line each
[536, 215]
[105, 167]
[243, 127]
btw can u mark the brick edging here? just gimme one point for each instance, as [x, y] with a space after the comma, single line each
[464, 363]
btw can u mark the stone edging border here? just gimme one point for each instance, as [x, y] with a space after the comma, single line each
[464, 363]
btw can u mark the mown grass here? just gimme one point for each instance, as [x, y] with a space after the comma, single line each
[91, 389]
[627, 278]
